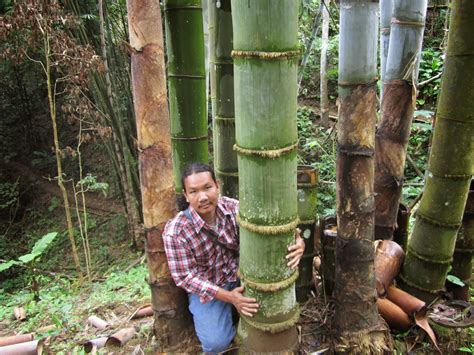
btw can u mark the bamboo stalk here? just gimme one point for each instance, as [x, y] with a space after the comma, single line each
[356, 318]
[222, 95]
[156, 176]
[386, 8]
[265, 70]
[398, 105]
[451, 165]
[186, 83]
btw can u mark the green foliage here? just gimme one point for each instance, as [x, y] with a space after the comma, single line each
[317, 148]
[9, 194]
[90, 183]
[38, 249]
[53, 204]
[431, 64]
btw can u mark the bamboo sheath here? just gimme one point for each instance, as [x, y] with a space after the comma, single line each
[386, 7]
[151, 109]
[451, 165]
[265, 71]
[222, 96]
[354, 278]
[186, 83]
[398, 105]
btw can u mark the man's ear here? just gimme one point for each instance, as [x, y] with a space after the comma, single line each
[218, 183]
[185, 195]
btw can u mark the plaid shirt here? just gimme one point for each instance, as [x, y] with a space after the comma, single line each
[195, 262]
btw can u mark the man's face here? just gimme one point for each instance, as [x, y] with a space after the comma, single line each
[201, 192]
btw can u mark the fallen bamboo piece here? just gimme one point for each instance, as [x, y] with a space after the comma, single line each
[388, 261]
[34, 347]
[16, 339]
[94, 344]
[98, 322]
[19, 313]
[121, 337]
[141, 312]
[410, 304]
[393, 315]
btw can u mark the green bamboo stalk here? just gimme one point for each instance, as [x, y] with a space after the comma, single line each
[156, 175]
[186, 83]
[462, 257]
[265, 68]
[356, 319]
[451, 164]
[222, 96]
[398, 105]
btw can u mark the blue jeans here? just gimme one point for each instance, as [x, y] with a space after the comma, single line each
[213, 322]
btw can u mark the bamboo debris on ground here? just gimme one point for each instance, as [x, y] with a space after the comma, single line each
[15, 339]
[98, 322]
[34, 347]
[19, 313]
[95, 344]
[121, 337]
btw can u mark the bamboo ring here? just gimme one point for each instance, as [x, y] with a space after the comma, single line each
[268, 230]
[270, 286]
[271, 153]
[274, 327]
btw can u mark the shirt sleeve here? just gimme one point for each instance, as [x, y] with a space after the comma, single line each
[183, 269]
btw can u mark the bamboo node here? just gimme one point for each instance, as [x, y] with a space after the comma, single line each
[187, 76]
[269, 286]
[265, 55]
[198, 138]
[271, 153]
[407, 23]
[371, 82]
[429, 260]
[275, 327]
[413, 285]
[182, 7]
[268, 230]
[308, 221]
[226, 173]
[225, 120]
[437, 223]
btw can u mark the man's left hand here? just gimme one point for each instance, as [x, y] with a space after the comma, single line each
[295, 251]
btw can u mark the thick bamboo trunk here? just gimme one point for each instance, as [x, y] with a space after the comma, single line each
[451, 164]
[323, 67]
[265, 67]
[156, 177]
[222, 94]
[187, 84]
[462, 258]
[386, 7]
[398, 105]
[356, 318]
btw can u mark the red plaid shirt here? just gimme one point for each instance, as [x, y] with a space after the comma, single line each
[196, 263]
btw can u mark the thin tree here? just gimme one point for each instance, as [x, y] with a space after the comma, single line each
[186, 83]
[398, 105]
[156, 176]
[356, 319]
[222, 96]
[323, 67]
[451, 164]
[265, 71]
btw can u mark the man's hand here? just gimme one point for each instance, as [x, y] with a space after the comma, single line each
[244, 305]
[295, 251]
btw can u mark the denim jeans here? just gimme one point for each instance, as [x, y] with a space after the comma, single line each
[213, 322]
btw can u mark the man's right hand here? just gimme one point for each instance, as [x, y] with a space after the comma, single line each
[244, 305]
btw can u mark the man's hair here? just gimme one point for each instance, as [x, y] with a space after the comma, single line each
[195, 168]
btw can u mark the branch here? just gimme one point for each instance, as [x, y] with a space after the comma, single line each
[423, 83]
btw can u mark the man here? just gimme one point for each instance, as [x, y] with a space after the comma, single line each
[201, 245]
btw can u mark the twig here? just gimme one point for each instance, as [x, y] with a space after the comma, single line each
[413, 165]
[134, 263]
[423, 83]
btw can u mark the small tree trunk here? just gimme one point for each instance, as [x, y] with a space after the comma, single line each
[156, 177]
[398, 105]
[323, 70]
[451, 165]
[222, 94]
[265, 66]
[356, 319]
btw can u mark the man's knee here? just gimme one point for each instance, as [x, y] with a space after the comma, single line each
[215, 343]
